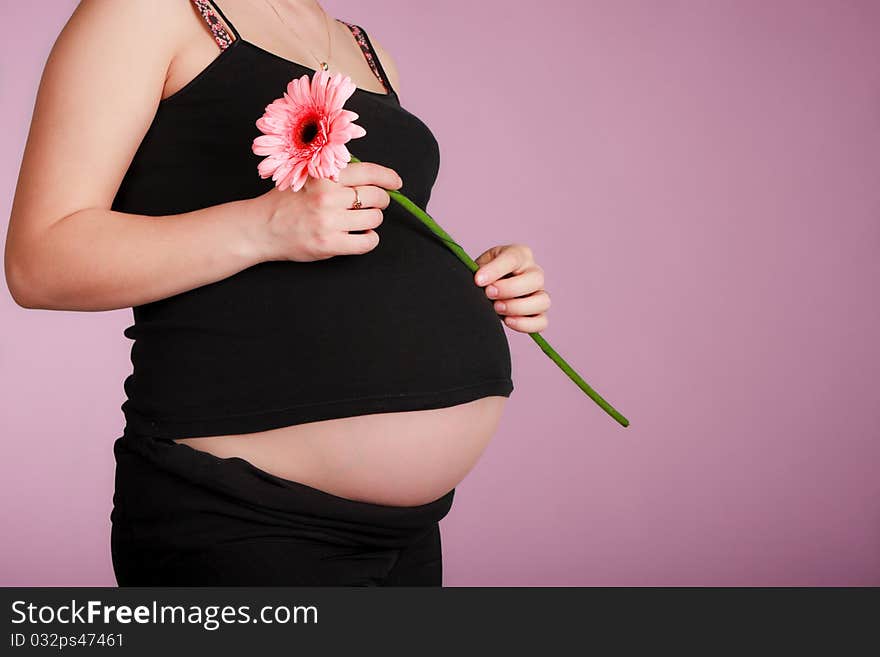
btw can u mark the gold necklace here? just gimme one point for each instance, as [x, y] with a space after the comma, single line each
[322, 63]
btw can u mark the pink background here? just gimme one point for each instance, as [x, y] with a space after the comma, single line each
[701, 183]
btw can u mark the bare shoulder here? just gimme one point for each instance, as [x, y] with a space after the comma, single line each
[97, 95]
[157, 21]
[388, 64]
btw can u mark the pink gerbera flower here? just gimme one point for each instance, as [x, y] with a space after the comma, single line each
[305, 131]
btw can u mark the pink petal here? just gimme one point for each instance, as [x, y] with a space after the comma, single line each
[266, 168]
[320, 99]
[269, 145]
[319, 88]
[300, 175]
[282, 170]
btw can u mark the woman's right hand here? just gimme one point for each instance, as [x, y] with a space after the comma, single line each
[314, 223]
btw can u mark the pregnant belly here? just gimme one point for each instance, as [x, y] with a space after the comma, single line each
[398, 459]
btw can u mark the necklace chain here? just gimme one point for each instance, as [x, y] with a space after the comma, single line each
[322, 63]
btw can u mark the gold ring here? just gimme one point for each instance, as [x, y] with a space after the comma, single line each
[357, 200]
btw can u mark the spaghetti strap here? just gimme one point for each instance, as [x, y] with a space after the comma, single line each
[370, 55]
[210, 11]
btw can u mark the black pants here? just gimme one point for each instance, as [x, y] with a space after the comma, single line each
[184, 517]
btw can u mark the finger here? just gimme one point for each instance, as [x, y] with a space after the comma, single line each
[505, 262]
[507, 259]
[362, 219]
[369, 173]
[369, 195]
[487, 256]
[537, 302]
[355, 243]
[527, 282]
[527, 324]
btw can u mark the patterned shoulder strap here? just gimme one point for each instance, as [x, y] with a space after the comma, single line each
[370, 55]
[221, 35]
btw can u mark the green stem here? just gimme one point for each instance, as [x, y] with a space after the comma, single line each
[435, 228]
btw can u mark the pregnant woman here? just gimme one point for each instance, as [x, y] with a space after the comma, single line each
[314, 371]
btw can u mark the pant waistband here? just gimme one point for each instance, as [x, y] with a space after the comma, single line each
[163, 487]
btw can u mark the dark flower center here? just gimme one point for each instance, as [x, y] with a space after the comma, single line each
[308, 131]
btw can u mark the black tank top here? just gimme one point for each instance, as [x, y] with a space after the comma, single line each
[402, 327]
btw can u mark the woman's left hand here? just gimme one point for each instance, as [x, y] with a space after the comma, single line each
[516, 283]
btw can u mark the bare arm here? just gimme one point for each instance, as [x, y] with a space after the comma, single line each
[65, 248]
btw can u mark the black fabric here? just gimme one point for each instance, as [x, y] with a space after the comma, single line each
[400, 328]
[184, 517]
